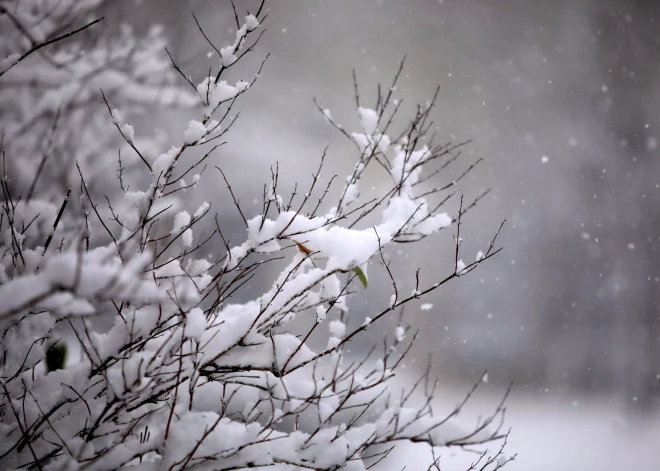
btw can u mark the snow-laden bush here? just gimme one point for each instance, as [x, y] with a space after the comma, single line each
[50, 100]
[187, 377]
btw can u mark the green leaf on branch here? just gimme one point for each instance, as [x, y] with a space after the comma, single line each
[56, 356]
[361, 276]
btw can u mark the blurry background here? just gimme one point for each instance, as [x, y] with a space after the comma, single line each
[562, 99]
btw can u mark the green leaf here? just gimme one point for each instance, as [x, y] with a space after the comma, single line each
[361, 276]
[56, 356]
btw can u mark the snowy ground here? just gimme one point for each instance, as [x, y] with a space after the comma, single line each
[557, 434]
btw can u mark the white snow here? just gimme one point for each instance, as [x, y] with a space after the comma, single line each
[128, 132]
[204, 207]
[181, 220]
[227, 55]
[320, 313]
[116, 116]
[187, 238]
[196, 131]
[251, 22]
[368, 119]
[213, 94]
[195, 323]
[337, 328]
[547, 433]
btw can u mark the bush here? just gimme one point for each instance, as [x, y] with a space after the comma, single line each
[187, 376]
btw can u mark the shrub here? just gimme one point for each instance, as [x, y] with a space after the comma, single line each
[187, 376]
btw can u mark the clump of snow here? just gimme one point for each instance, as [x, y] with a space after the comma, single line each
[204, 207]
[187, 238]
[197, 267]
[181, 220]
[214, 94]
[337, 328]
[368, 119]
[195, 323]
[128, 132]
[227, 55]
[333, 342]
[196, 131]
[426, 307]
[320, 313]
[164, 161]
[352, 194]
[251, 22]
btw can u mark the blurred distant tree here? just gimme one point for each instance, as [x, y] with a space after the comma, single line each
[53, 116]
[601, 322]
[627, 55]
